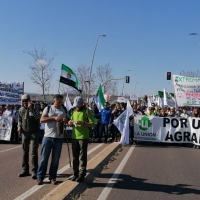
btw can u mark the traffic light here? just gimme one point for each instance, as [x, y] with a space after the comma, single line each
[127, 79]
[168, 75]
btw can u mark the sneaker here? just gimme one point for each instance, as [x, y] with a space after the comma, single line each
[39, 181]
[74, 178]
[80, 178]
[23, 174]
[53, 181]
[34, 176]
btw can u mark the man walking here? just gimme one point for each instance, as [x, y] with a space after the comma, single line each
[28, 126]
[82, 118]
[54, 117]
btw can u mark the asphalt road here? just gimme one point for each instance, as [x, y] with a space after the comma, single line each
[13, 187]
[140, 172]
[156, 172]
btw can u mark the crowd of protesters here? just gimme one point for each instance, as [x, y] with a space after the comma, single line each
[13, 111]
[98, 125]
[111, 112]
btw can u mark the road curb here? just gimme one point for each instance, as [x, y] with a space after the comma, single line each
[69, 189]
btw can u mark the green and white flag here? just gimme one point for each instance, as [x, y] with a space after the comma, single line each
[122, 123]
[68, 77]
[99, 99]
[169, 99]
[166, 99]
[160, 99]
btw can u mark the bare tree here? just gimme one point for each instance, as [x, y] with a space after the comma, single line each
[190, 73]
[41, 70]
[83, 75]
[104, 75]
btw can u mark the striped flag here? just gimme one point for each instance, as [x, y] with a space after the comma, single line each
[68, 77]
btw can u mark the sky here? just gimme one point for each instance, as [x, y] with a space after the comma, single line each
[147, 37]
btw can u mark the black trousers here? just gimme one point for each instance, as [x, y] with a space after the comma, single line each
[79, 152]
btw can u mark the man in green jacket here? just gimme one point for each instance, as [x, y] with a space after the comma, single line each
[81, 120]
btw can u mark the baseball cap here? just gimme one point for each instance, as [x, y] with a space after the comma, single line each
[78, 101]
[25, 96]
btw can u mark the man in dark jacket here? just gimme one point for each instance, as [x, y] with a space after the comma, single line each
[28, 126]
[106, 120]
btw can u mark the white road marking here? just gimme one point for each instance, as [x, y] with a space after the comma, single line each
[104, 194]
[37, 187]
[10, 149]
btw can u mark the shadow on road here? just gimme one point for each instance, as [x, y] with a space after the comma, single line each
[132, 183]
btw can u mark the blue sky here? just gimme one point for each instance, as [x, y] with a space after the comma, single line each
[148, 37]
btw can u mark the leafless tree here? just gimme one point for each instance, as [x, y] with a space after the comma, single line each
[83, 75]
[65, 89]
[190, 73]
[104, 75]
[41, 70]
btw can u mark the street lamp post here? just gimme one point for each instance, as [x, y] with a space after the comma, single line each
[141, 92]
[87, 100]
[197, 37]
[124, 81]
[135, 86]
[92, 65]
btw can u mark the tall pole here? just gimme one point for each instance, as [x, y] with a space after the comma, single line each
[124, 81]
[92, 65]
[135, 86]
[141, 92]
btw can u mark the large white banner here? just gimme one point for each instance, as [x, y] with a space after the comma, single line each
[187, 90]
[5, 127]
[167, 129]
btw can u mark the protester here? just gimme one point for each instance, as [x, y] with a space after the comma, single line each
[184, 113]
[42, 106]
[28, 126]
[115, 114]
[54, 117]
[15, 115]
[82, 118]
[106, 120]
[162, 113]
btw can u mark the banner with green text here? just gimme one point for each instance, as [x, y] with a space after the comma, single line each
[167, 129]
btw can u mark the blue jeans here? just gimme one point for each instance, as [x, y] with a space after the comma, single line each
[54, 146]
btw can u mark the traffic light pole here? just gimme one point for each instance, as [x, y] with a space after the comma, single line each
[112, 80]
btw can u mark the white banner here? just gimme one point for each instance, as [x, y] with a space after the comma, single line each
[10, 93]
[167, 129]
[19, 86]
[133, 97]
[5, 127]
[121, 99]
[187, 90]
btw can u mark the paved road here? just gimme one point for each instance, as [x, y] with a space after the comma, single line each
[157, 172]
[139, 172]
[13, 187]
